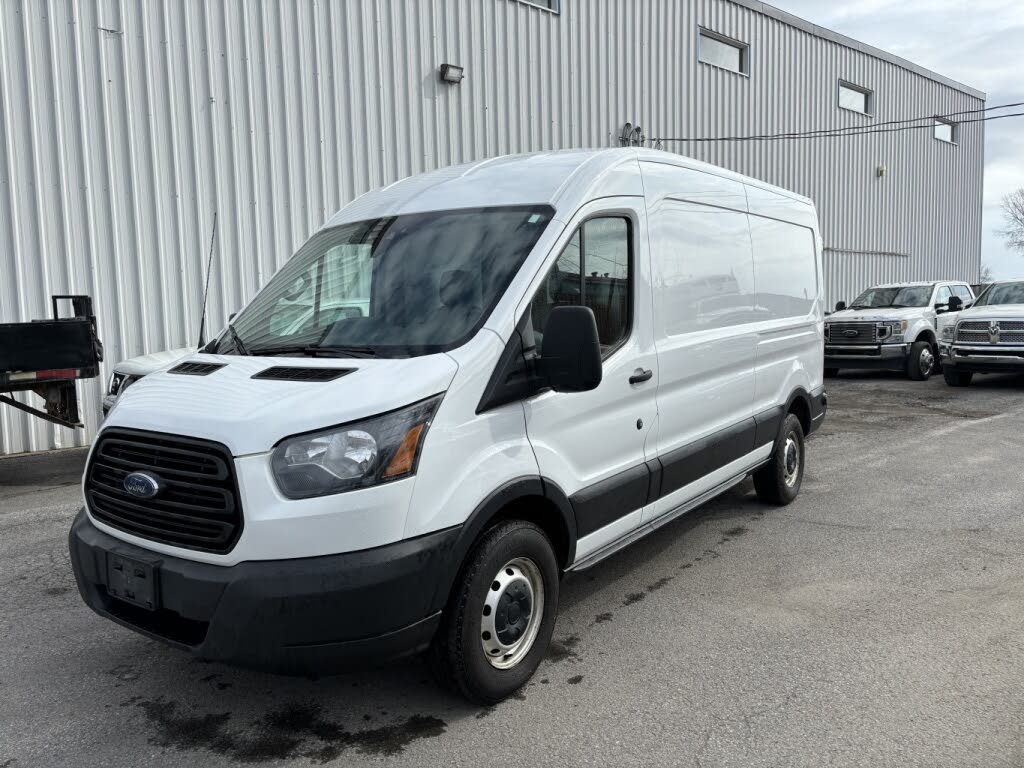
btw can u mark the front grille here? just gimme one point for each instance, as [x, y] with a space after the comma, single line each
[980, 332]
[197, 506]
[852, 333]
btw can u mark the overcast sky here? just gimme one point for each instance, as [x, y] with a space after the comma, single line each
[978, 43]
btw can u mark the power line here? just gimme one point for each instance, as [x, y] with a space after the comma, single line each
[895, 127]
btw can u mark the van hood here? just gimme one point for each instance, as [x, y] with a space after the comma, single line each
[1013, 311]
[876, 315]
[251, 415]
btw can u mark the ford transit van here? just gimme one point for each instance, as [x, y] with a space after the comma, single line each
[463, 386]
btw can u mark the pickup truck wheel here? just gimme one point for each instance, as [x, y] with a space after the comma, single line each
[498, 623]
[956, 378]
[778, 481]
[921, 361]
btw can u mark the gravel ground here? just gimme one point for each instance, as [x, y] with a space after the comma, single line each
[875, 621]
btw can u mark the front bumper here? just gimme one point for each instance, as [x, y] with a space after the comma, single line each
[871, 356]
[303, 616]
[982, 359]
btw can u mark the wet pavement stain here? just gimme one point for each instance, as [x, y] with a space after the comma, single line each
[56, 591]
[662, 582]
[125, 673]
[295, 731]
[739, 530]
[633, 597]
[560, 650]
[601, 618]
[575, 680]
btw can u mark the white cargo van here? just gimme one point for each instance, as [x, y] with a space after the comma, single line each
[504, 371]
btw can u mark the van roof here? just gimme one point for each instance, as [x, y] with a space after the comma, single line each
[563, 179]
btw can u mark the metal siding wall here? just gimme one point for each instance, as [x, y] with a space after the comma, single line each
[125, 125]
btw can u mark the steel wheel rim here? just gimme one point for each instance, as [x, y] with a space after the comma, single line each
[926, 361]
[790, 460]
[512, 613]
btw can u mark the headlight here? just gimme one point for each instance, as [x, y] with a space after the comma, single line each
[114, 385]
[947, 333]
[892, 330]
[365, 453]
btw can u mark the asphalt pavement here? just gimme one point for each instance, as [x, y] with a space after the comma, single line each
[876, 621]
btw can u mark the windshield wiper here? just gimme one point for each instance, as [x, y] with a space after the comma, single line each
[341, 350]
[238, 341]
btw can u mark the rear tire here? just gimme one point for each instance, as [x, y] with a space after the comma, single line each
[831, 373]
[955, 378]
[921, 361]
[778, 482]
[498, 623]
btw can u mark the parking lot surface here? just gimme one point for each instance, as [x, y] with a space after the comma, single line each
[876, 621]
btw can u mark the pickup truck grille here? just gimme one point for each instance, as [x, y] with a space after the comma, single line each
[197, 504]
[982, 331]
[852, 333]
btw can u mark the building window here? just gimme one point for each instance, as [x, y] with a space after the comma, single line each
[945, 131]
[549, 5]
[855, 98]
[720, 51]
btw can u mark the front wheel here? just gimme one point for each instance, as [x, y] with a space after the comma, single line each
[956, 378]
[778, 481]
[921, 361]
[498, 623]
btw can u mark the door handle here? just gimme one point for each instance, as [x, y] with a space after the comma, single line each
[641, 375]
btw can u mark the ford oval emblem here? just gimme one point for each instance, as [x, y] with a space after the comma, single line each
[142, 485]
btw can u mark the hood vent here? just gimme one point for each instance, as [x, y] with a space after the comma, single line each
[196, 369]
[285, 373]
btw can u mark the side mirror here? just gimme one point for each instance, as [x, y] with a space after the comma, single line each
[232, 316]
[570, 358]
[955, 304]
[840, 306]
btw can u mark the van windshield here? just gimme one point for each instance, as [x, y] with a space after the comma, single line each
[389, 287]
[900, 296]
[1001, 293]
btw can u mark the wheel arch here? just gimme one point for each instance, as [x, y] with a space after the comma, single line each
[534, 499]
[799, 404]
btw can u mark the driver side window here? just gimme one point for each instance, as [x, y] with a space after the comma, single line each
[943, 295]
[595, 269]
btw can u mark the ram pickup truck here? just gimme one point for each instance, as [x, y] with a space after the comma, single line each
[987, 338]
[891, 327]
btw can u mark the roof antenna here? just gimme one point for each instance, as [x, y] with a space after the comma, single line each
[206, 287]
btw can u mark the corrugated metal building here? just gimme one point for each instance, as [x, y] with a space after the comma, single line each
[125, 125]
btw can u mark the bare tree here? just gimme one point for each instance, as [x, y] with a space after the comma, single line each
[1013, 215]
[986, 275]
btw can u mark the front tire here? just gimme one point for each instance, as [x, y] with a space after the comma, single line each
[956, 378]
[778, 482]
[921, 361]
[498, 623]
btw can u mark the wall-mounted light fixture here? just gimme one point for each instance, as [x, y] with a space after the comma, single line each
[452, 73]
[882, 171]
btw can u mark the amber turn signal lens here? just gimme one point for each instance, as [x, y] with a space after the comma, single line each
[405, 456]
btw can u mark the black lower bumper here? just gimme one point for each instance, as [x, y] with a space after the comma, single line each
[819, 407]
[879, 357]
[305, 616]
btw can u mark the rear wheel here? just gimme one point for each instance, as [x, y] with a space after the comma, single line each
[498, 623]
[955, 378]
[778, 481]
[921, 361]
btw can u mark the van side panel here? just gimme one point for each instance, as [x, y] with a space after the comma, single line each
[787, 276]
[466, 456]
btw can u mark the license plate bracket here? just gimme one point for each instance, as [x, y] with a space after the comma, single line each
[133, 581]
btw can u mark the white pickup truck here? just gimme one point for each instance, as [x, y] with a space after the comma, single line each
[987, 338]
[892, 327]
